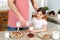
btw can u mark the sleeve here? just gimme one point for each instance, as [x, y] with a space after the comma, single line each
[45, 22]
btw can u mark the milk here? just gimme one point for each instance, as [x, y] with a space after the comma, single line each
[55, 35]
[6, 35]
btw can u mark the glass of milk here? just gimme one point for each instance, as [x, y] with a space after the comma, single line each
[6, 35]
[56, 35]
[18, 24]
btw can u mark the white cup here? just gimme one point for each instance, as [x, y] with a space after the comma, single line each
[18, 24]
[55, 35]
[6, 35]
[30, 28]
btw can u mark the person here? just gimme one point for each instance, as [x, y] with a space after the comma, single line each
[35, 5]
[33, 14]
[38, 22]
[19, 11]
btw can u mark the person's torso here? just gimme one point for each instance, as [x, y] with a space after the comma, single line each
[38, 23]
[23, 8]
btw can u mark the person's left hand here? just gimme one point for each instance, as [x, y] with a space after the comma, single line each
[23, 24]
[35, 31]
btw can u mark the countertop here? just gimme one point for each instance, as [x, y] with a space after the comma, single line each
[24, 37]
[54, 19]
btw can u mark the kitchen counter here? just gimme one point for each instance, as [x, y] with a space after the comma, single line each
[24, 37]
[54, 19]
[53, 26]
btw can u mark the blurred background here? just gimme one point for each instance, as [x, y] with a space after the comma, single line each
[52, 13]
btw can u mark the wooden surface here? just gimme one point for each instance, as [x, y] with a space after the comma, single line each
[3, 20]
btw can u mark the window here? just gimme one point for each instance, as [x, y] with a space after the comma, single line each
[4, 5]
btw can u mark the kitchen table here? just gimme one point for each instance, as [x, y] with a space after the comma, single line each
[25, 37]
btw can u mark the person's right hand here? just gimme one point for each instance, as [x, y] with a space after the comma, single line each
[23, 22]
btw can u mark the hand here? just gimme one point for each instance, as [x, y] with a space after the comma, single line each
[23, 24]
[35, 31]
[31, 24]
[22, 21]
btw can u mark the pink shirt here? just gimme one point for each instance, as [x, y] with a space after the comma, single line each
[23, 8]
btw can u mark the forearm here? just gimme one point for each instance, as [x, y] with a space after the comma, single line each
[42, 30]
[35, 5]
[13, 7]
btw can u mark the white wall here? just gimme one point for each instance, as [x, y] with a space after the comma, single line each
[31, 9]
[45, 2]
[54, 5]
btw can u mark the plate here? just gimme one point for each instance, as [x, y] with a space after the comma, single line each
[15, 34]
[44, 36]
